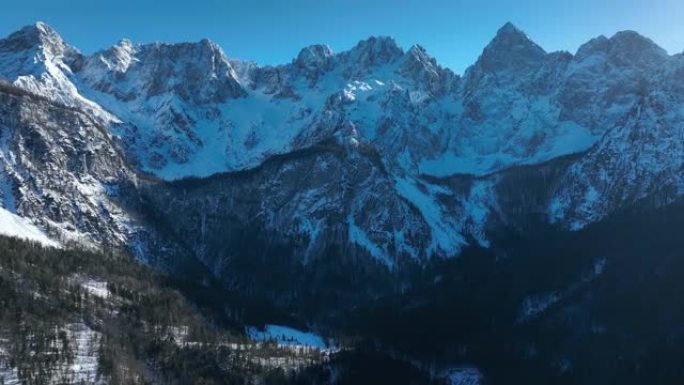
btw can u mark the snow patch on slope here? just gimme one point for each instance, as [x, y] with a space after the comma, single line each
[477, 207]
[483, 154]
[94, 287]
[444, 231]
[358, 235]
[15, 226]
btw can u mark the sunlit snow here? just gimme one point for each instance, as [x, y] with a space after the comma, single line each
[15, 226]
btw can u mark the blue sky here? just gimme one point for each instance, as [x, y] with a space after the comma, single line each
[273, 31]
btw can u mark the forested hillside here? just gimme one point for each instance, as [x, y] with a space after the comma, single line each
[76, 316]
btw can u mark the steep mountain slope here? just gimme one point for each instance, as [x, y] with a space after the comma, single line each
[639, 160]
[510, 110]
[61, 170]
[329, 194]
[169, 98]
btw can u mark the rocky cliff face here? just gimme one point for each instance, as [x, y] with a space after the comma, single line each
[61, 169]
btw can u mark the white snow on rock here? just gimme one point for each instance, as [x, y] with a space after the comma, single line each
[97, 288]
[445, 234]
[93, 286]
[358, 236]
[15, 226]
[483, 155]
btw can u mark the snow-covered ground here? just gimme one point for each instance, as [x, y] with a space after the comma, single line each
[94, 287]
[567, 138]
[287, 336]
[15, 226]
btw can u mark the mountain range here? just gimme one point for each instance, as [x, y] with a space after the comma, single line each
[339, 176]
[403, 128]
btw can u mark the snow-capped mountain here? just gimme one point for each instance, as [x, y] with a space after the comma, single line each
[377, 150]
[189, 112]
[36, 59]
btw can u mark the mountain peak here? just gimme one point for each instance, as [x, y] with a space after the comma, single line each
[36, 30]
[322, 50]
[637, 44]
[125, 43]
[314, 57]
[510, 48]
[120, 56]
[43, 28]
[512, 36]
[417, 50]
[509, 37]
[35, 36]
[375, 50]
[210, 44]
[630, 35]
[509, 28]
[40, 32]
[626, 48]
[420, 66]
[417, 56]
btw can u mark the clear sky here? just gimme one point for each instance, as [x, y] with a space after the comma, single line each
[273, 31]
